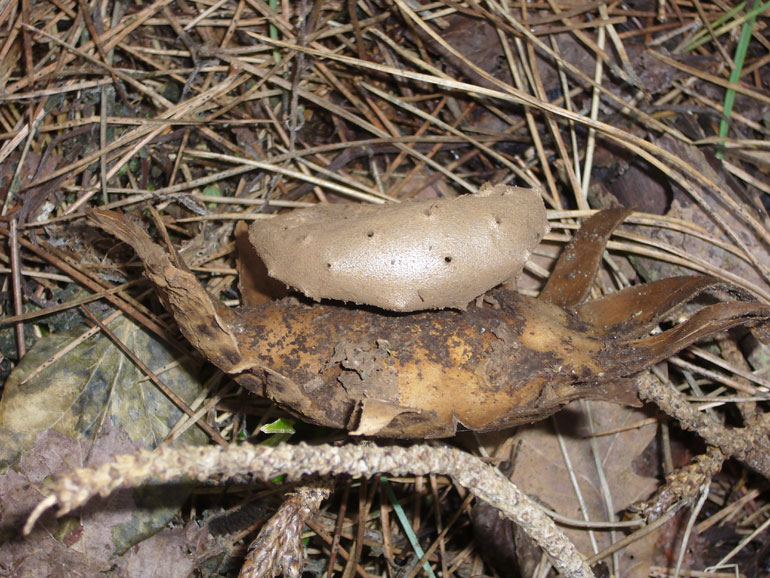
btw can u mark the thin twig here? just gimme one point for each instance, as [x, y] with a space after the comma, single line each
[263, 462]
[749, 444]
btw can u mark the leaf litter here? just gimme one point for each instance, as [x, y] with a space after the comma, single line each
[171, 166]
[82, 409]
[541, 470]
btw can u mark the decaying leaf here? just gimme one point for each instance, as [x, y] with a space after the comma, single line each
[683, 207]
[409, 256]
[74, 546]
[95, 381]
[420, 375]
[546, 467]
[85, 544]
[540, 470]
[82, 409]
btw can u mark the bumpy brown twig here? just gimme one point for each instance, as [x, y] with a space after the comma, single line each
[278, 547]
[683, 484]
[748, 444]
[212, 463]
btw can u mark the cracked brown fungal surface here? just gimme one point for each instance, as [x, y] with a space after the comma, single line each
[423, 374]
[480, 367]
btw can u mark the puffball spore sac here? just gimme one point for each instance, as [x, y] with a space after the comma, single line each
[410, 256]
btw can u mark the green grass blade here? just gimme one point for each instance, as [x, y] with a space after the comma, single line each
[735, 76]
[405, 524]
[702, 37]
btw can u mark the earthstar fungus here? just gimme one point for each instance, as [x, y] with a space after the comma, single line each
[513, 360]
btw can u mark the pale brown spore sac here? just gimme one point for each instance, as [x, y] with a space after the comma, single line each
[410, 256]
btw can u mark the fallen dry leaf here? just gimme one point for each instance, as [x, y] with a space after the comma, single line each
[172, 553]
[71, 546]
[95, 381]
[540, 470]
[684, 208]
[85, 544]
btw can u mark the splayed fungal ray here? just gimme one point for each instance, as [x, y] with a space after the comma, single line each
[410, 256]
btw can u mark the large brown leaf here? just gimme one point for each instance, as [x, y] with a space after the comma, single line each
[540, 470]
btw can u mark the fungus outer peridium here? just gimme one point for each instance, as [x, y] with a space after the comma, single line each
[420, 375]
[410, 256]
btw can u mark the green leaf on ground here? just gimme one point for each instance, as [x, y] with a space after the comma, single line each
[92, 390]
